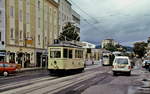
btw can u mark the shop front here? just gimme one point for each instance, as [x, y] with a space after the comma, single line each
[23, 56]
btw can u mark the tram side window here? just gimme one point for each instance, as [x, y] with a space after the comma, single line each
[55, 53]
[70, 53]
[105, 56]
[65, 53]
[78, 54]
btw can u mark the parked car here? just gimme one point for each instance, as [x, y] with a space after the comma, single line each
[146, 64]
[7, 68]
[121, 64]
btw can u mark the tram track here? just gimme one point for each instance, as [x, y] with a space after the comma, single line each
[46, 81]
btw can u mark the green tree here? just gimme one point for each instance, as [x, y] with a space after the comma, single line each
[69, 33]
[140, 48]
[110, 47]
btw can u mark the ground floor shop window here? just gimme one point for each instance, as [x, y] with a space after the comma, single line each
[12, 58]
[27, 61]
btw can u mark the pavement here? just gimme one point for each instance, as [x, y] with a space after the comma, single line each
[29, 69]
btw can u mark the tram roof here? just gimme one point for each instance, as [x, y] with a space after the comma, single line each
[66, 45]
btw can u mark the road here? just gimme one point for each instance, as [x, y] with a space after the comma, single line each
[94, 80]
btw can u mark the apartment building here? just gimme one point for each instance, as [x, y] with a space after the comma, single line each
[76, 20]
[46, 28]
[20, 31]
[65, 13]
[26, 30]
[2, 30]
[108, 41]
[2, 24]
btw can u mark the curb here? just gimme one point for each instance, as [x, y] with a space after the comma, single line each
[30, 70]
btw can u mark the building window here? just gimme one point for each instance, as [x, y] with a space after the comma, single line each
[45, 41]
[0, 37]
[0, 16]
[28, 18]
[39, 22]
[20, 35]
[39, 5]
[12, 11]
[20, 15]
[39, 39]
[28, 2]
[12, 33]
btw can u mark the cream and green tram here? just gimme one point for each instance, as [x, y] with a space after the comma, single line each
[63, 58]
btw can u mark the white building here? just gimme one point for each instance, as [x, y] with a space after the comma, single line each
[65, 13]
[88, 45]
[108, 41]
[2, 24]
[76, 20]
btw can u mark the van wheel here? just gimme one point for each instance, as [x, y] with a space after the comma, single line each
[5, 73]
[114, 73]
[129, 73]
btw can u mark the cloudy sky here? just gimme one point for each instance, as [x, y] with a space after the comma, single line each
[126, 21]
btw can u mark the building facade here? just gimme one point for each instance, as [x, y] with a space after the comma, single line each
[46, 28]
[2, 30]
[108, 41]
[76, 20]
[2, 24]
[148, 47]
[31, 26]
[65, 13]
[20, 31]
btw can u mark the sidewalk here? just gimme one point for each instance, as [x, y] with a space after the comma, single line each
[30, 69]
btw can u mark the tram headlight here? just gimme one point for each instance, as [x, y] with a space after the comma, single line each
[55, 62]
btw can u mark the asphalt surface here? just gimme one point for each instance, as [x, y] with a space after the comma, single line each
[94, 80]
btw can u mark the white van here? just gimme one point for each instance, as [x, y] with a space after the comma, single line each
[121, 64]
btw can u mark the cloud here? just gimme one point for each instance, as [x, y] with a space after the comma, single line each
[126, 21]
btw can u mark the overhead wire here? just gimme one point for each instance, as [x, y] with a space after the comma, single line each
[85, 19]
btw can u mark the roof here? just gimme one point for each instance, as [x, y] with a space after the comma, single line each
[72, 45]
[122, 57]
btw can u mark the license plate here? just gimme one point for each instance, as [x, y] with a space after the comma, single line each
[121, 66]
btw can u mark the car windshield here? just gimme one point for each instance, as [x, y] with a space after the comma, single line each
[121, 61]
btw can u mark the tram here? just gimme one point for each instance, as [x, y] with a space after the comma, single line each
[107, 59]
[65, 57]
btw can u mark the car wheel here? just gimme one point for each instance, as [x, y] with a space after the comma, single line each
[5, 73]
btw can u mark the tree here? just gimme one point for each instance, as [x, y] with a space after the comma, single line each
[69, 33]
[140, 48]
[110, 47]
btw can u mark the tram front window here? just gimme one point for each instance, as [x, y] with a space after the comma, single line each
[55, 53]
[105, 56]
